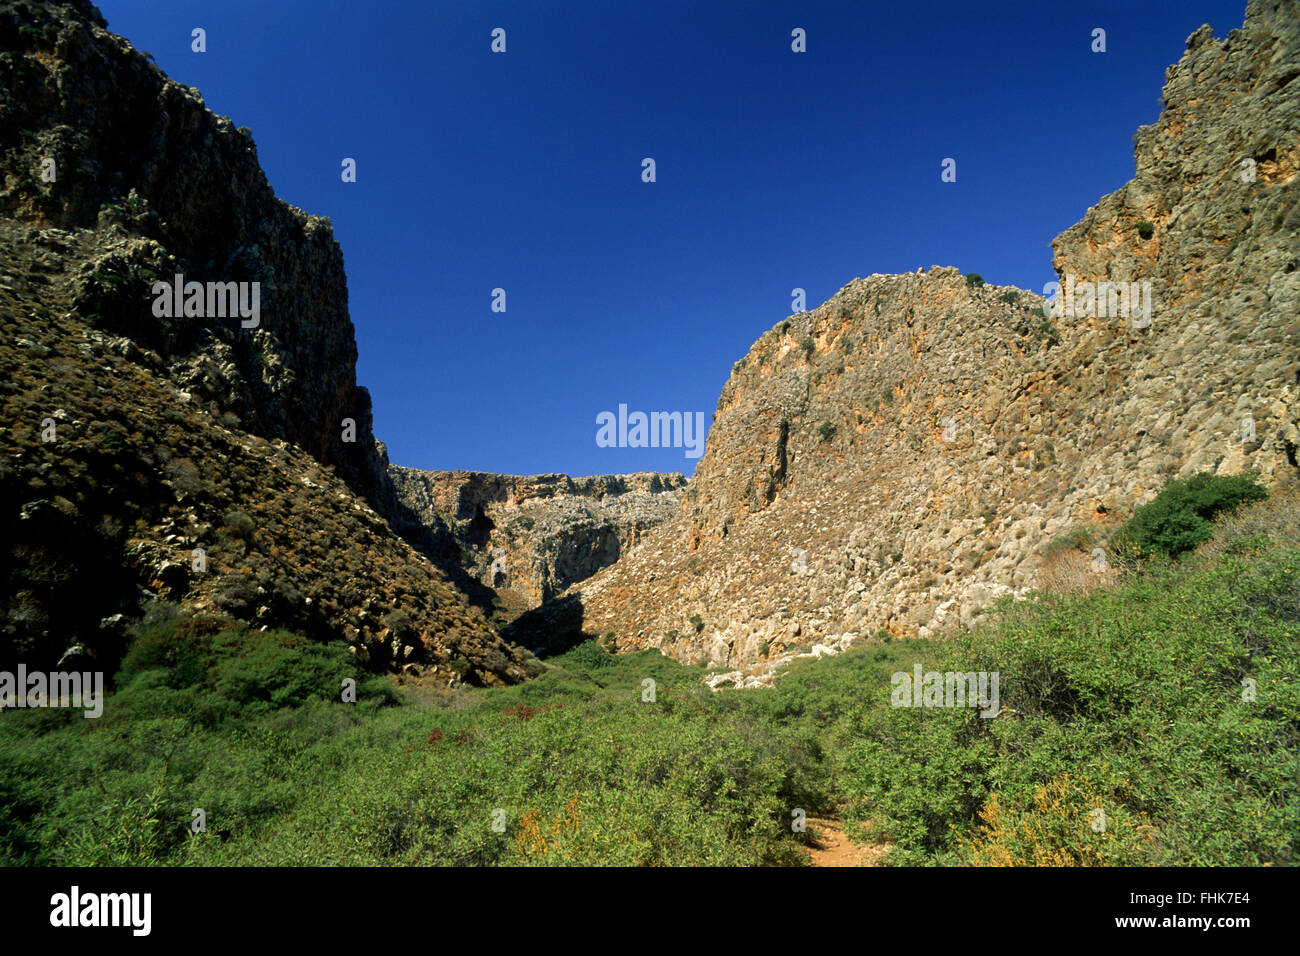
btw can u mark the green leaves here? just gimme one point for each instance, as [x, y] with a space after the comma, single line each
[1168, 702]
[1133, 699]
[1178, 519]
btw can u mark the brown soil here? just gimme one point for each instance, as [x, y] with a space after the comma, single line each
[830, 845]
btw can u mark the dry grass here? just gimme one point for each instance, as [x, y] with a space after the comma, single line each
[1277, 517]
[1069, 571]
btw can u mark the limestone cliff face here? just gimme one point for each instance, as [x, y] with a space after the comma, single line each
[131, 440]
[530, 537]
[170, 187]
[898, 458]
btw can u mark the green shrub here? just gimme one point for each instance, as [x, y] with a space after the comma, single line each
[255, 669]
[277, 668]
[1071, 821]
[116, 441]
[589, 654]
[401, 625]
[184, 476]
[1102, 699]
[239, 525]
[1146, 230]
[1178, 519]
[127, 832]
[974, 280]
[181, 648]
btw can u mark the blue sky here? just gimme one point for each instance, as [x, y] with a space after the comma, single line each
[775, 170]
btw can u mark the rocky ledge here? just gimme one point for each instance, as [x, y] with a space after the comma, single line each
[529, 537]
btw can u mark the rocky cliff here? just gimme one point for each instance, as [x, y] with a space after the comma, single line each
[212, 457]
[897, 459]
[527, 538]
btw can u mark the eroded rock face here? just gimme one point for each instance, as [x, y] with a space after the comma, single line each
[530, 537]
[169, 187]
[898, 458]
[187, 458]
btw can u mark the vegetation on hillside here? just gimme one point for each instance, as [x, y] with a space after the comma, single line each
[1178, 519]
[1156, 721]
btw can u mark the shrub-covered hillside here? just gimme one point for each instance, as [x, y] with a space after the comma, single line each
[1154, 721]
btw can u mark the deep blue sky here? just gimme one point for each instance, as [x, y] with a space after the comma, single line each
[775, 170]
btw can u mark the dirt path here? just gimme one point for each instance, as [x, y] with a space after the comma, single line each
[830, 846]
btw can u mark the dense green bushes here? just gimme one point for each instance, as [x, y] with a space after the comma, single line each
[1170, 703]
[1178, 519]
[249, 727]
[1154, 722]
[249, 671]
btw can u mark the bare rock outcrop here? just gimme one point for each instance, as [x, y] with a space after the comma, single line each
[528, 538]
[898, 459]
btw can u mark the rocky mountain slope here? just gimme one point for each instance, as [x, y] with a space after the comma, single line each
[530, 537]
[897, 459]
[133, 441]
[889, 463]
